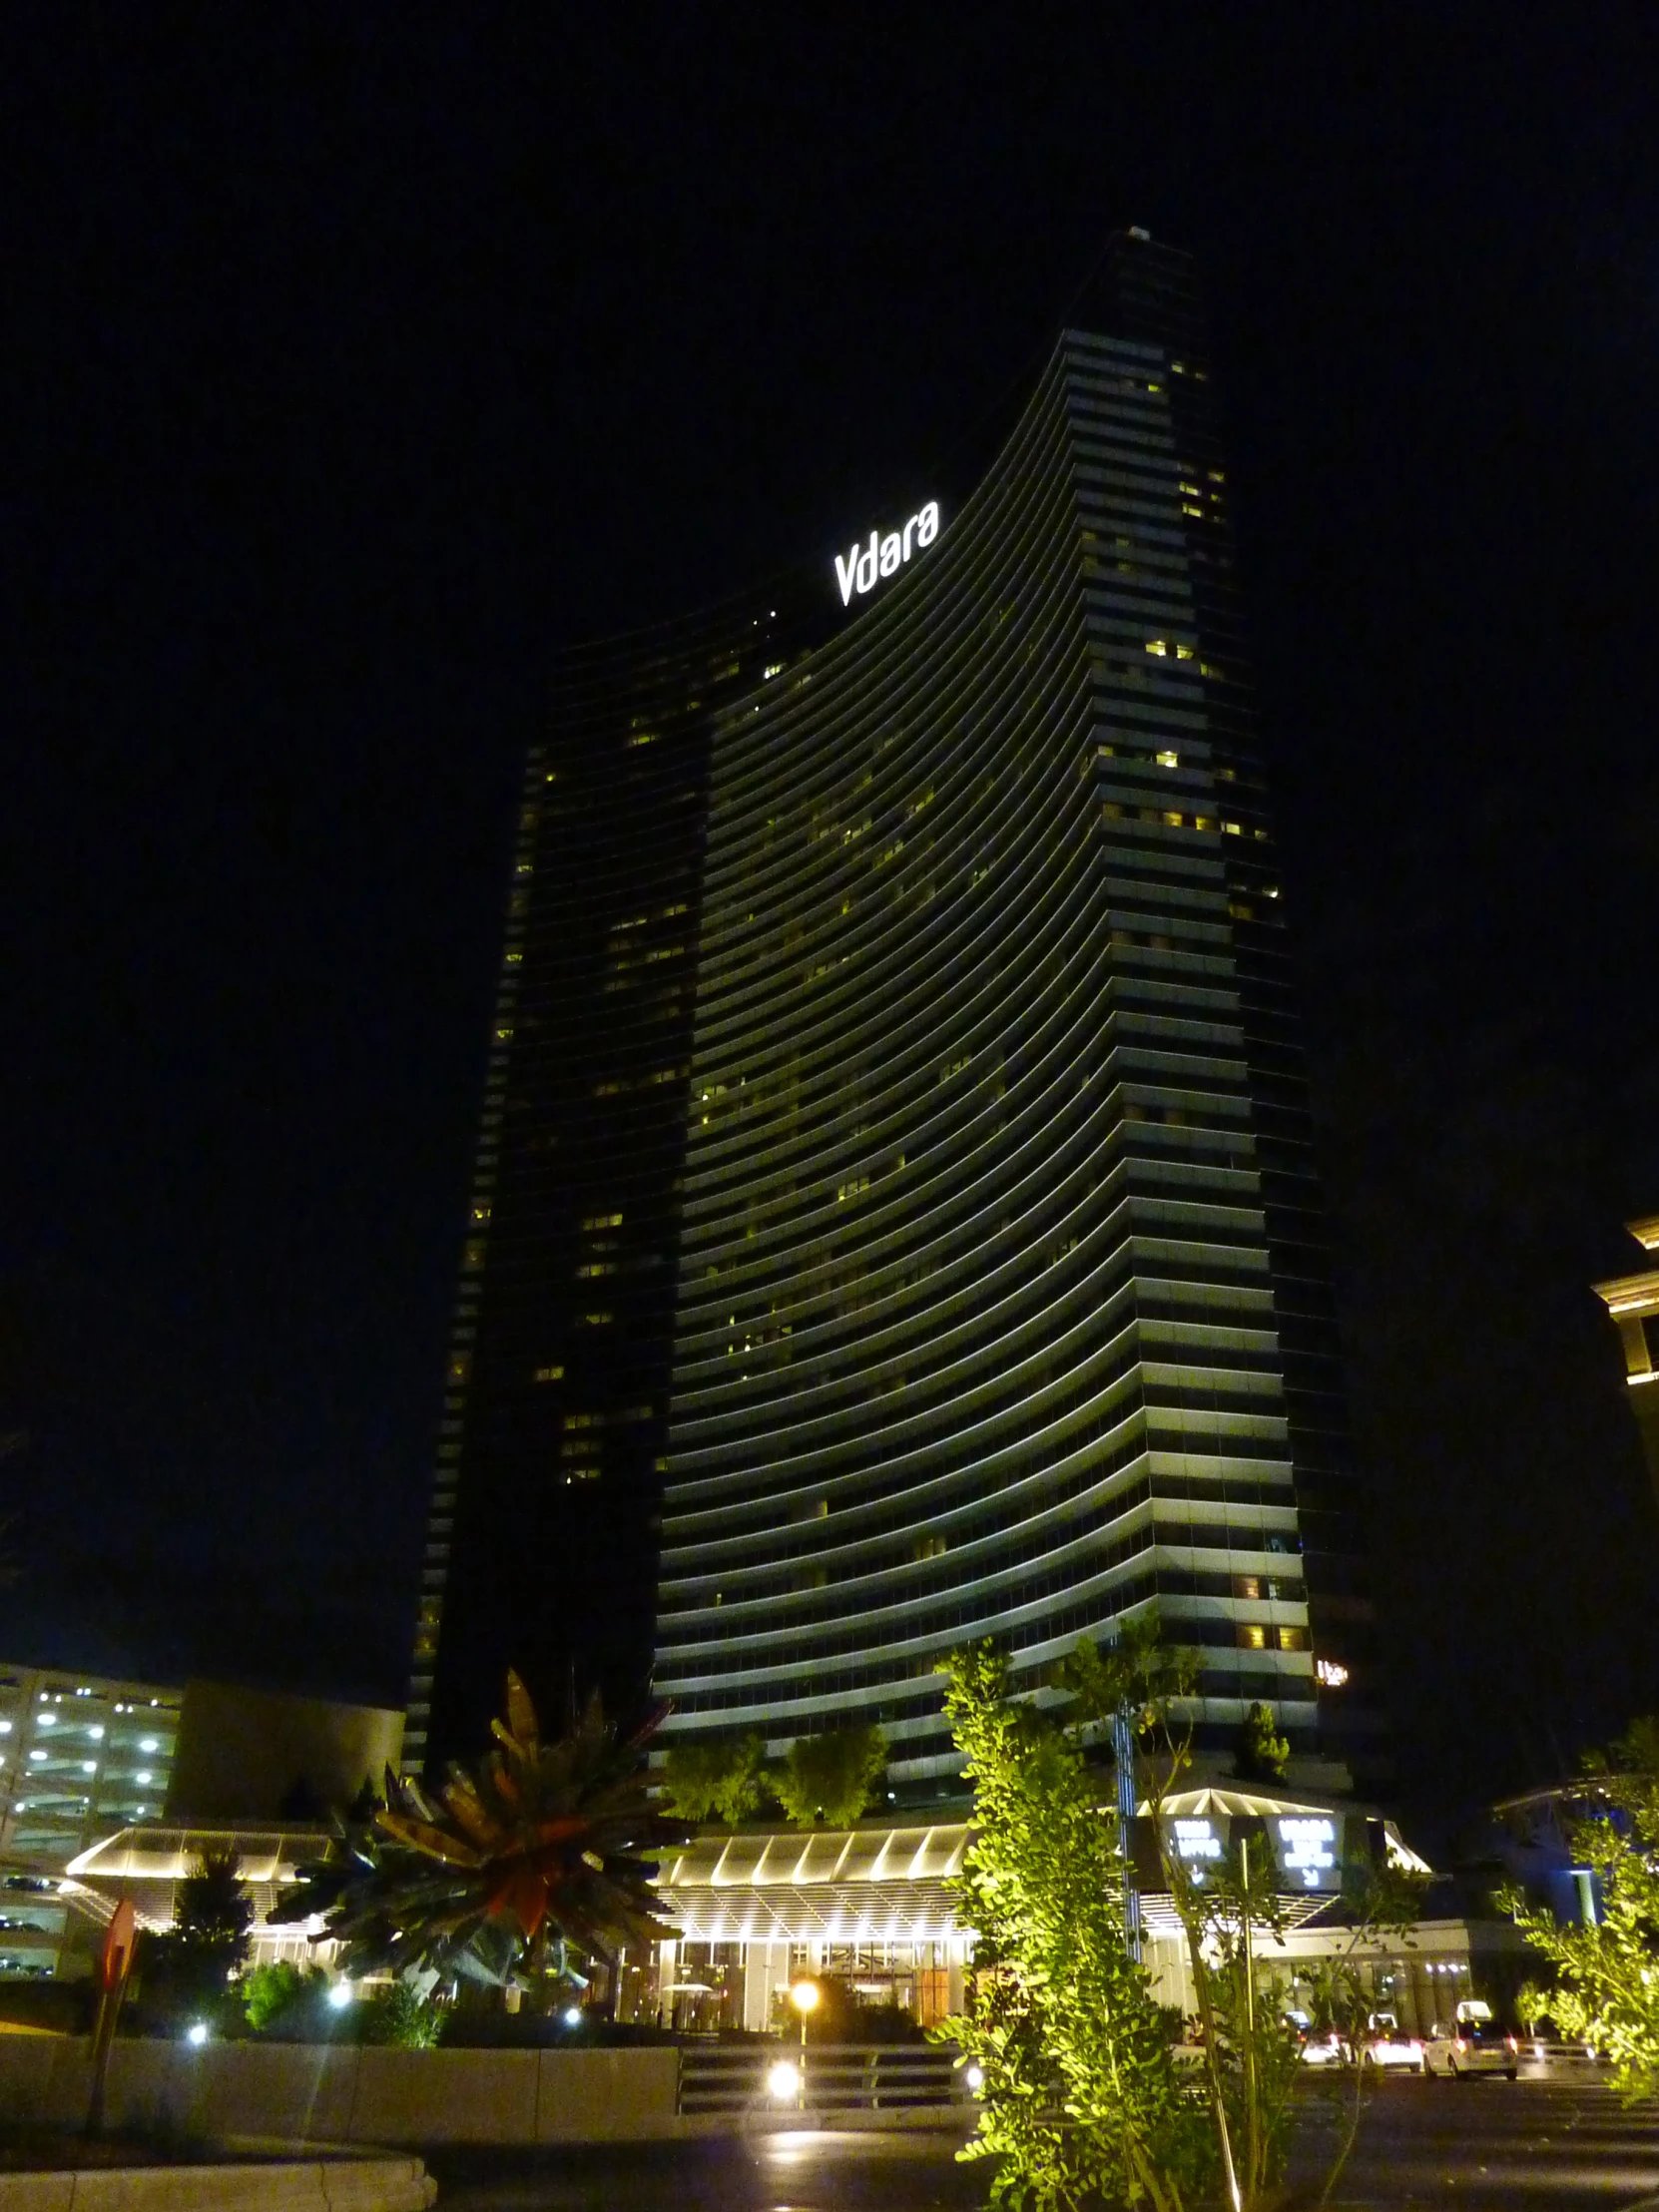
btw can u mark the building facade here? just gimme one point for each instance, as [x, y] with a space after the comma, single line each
[872, 1909]
[895, 1173]
[1001, 1306]
[540, 1548]
[80, 1756]
[1632, 1301]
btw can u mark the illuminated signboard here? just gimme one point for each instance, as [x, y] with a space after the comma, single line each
[1308, 1846]
[857, 570]
[1195, 1843]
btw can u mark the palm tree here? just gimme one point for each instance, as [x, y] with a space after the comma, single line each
[545, 1843]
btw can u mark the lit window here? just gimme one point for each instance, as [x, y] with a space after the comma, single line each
[1183, 652]
[1169, 759]
[1253, 1638]
[550, 1375]
[1172, 817]
[1292, 1639]
[1157, 645]
[1233, 828]
[594, 1321]
[1187, 508]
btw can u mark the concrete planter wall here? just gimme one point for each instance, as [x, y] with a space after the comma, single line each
[333, 2094]
[334, 2185]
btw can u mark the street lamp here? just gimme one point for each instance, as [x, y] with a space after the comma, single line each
[804, 1995]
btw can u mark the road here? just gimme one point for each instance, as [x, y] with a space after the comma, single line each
[1478, 2146]
[1534, 2146]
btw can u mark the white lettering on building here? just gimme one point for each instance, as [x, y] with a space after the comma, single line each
[1196, 1840]
[1306, 1848]
[858, 569]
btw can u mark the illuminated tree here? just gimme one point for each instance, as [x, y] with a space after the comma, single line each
[1081, 2094]
[1263, 1754]
[831, 1777]
[1606, 1988]
[716, 1782]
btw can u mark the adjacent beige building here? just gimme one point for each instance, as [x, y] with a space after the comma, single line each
[1633, 1303]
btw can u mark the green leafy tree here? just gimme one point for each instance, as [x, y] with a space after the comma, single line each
[1082, 2095]
[716, 1782]
[1251, 2056]
[830, 1778]
[1606, 1985]
[1263, 1754]
[547, 1848]
[277, 1992]
[1249, 2051]
[402, 2019]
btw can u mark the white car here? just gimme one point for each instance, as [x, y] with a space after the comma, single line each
[1473, 2045]
[1324, 2047]
[1387, 2048]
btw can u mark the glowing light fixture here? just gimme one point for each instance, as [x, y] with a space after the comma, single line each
[197, 2033]
[784, 2082]
[340, 1995]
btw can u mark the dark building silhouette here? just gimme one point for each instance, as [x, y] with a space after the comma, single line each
[540, 1544]
[895, 1171]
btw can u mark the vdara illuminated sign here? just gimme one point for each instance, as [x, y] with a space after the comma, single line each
[883, 556]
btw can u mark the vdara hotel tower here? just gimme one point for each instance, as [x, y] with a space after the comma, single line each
[984, 1245]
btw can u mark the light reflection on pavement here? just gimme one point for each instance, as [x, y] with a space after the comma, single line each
[1478, 2146]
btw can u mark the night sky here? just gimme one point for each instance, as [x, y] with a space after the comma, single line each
[358, 360]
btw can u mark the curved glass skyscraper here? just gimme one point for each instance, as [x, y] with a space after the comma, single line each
[989, 1292]
[999, 1308]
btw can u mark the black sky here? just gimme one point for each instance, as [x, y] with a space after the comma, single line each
[359, 359]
